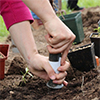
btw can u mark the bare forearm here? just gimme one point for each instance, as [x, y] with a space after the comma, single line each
[42, 8]
[23, 38]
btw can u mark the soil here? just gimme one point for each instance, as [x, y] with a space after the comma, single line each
[1, 55]
[82, 85]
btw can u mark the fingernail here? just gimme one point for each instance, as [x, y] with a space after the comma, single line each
[52, 77]
[55, 81]
[59, 69]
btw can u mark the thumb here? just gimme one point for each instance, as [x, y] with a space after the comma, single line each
[51, 73]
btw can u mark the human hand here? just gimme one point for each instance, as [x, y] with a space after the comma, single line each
[39, 66]
[59, 37]
[60, 12]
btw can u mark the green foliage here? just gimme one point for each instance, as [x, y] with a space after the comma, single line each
[98, 29]
[88, 3]
[25, 74]
[81, 3]
[3, 31]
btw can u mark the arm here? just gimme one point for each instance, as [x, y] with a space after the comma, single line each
[61, 41]
[38, 64]
[62, 36]
[41, 8]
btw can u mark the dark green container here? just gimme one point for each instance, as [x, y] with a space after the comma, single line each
[74, 22]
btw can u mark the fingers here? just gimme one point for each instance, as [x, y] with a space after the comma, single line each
[58, 81]
[65, 83]
[40, 74]
[57, 50]
[61, 75]
[53, 39]
[60, 78]
[64, 67]
[64, 54]
[61, 82]
[49, 70]
[42, 68]
[59, 43]
[62, 46]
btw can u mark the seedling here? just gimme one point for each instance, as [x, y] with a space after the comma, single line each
[74, 43]
[98, 29]
[95, 38]
[25, 74]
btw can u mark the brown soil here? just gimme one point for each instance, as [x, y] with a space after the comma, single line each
[13, 88]
[1, 55]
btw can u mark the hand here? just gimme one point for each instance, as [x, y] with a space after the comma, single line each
[59, 37]
[60, 12]
[39, 66]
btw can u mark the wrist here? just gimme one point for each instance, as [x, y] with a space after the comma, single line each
[50, 20]
[30, 55]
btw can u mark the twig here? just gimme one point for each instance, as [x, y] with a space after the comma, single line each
[82, 85]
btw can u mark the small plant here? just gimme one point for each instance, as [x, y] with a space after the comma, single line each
[74, 43]
[95, 38]
[98, 29]
[24, 75]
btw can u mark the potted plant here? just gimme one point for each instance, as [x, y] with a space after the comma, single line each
[74, 22]
[3, 56]
[83, 58]
[95, 37]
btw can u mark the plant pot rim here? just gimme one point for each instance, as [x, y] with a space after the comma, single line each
[96, 33]
[4, 45]
[80, 47]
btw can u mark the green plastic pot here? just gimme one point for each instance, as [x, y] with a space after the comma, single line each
[74, 22]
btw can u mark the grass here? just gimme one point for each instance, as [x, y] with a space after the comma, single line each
[88, 3]
[82, 3]
[3, 31]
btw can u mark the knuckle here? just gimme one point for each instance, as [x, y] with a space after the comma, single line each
[65, 73]
[73, 37]
[63, 37]
[57, 77]
[68, 64]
